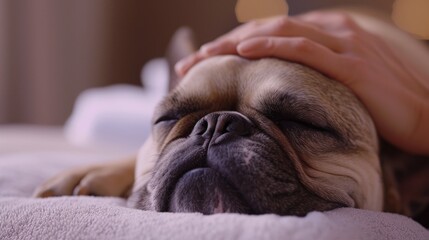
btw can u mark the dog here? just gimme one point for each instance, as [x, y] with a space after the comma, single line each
[253, 137]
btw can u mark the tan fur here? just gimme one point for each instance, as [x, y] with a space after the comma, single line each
[110, 179]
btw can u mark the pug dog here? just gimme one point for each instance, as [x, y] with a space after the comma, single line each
[253, 137]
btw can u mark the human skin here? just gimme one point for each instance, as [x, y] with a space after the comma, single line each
[393, 90]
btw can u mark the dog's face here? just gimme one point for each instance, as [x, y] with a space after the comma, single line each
[263, 136]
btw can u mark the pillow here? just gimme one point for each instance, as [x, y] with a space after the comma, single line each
[118, 115]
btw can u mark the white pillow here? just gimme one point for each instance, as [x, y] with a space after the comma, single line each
[119, 115]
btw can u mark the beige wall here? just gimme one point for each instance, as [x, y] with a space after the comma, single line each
[51, 50]
[54, 50]
[4, 63]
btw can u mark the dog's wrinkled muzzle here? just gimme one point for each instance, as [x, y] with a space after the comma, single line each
[205, 189]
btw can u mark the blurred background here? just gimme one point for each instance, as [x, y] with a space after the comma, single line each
[51, 50]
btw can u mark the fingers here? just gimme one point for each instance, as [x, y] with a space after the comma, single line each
[274, 27]
[183, 66]
[329, 21]
[227, 43]
[223, 45]
[297, 49]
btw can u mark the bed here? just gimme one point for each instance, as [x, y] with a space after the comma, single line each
[103, 127]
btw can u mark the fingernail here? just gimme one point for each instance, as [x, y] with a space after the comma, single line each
[181, 66]
[182, 63]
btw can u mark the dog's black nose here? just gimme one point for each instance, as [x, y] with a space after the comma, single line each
[215, 125]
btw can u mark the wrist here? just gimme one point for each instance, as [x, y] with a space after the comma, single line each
[421, 133]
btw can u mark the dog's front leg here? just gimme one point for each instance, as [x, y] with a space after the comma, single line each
[108, 179]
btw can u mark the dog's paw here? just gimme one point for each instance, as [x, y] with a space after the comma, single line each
[104, 180]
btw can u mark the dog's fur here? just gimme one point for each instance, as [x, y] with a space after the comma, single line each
[254, 136]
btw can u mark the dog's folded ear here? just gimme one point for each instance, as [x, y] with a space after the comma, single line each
[406, 179]
[181, 45]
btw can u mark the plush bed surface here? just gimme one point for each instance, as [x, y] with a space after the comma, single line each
[107, 218]
[22, 217]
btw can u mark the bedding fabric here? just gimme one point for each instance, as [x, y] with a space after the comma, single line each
[22, 217]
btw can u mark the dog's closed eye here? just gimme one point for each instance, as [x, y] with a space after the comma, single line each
[166, 119]
[288, 124]
[306, 127]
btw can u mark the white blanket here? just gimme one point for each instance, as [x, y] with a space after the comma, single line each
[22, 217]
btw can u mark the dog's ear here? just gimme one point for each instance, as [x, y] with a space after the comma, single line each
[181, 45]
[406, 179]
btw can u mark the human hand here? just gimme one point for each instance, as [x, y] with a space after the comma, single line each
[394, 92]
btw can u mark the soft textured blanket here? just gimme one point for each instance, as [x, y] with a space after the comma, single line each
[107, 218]
[22, 217]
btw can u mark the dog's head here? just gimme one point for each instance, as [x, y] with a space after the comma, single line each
[258, 136]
